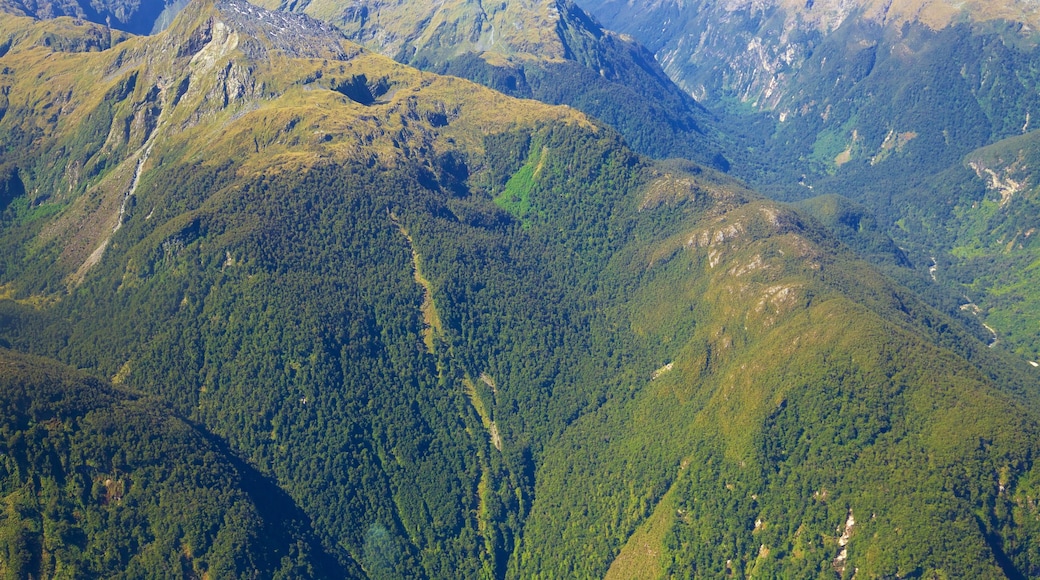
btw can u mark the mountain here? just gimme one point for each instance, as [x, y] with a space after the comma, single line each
[994, 249]
[470, 335]
[549, 50]
[856, 226]
[758, 52]
[98, 482]
[135, 16]
[882, 103]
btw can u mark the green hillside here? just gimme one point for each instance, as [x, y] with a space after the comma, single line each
[475, 336]
[885, 104]
[98, 482]
[994, 254]
[549, 50]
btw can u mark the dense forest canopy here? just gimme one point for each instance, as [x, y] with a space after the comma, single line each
[275, 305]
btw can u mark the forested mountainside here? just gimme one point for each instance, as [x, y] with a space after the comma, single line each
[897, 106]
[99, 482]
[467, 335]
[549, 50]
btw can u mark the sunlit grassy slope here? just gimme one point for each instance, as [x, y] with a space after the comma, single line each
[476, 336]
[549, 50]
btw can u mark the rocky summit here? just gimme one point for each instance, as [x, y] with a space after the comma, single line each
[275, 304]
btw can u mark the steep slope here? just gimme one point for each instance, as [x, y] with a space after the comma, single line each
[878, 102]
[548, 50]
[783, 410]
[856, 226]
[859, 95]
[994, 253]
[219, 136]
[100, 483]
[758, 51]
[135, 16]
[475, 336]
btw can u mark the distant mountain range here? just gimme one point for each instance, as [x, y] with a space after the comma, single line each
[549, 50]
[136, 16]
[446, 332]
[894, 105]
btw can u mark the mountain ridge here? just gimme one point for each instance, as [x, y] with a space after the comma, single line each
[889, 114]
[472, 335]
[113, 502]
[549, 50]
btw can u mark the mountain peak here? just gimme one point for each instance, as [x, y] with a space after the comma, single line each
[413, 31]
[468, 335]
[256, 31]
[827, 15]
[548, 50]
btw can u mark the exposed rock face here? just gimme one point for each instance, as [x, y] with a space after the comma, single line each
[549, 50]
[128, 15]
[920, 110]
[755, 49]
[293, 35]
